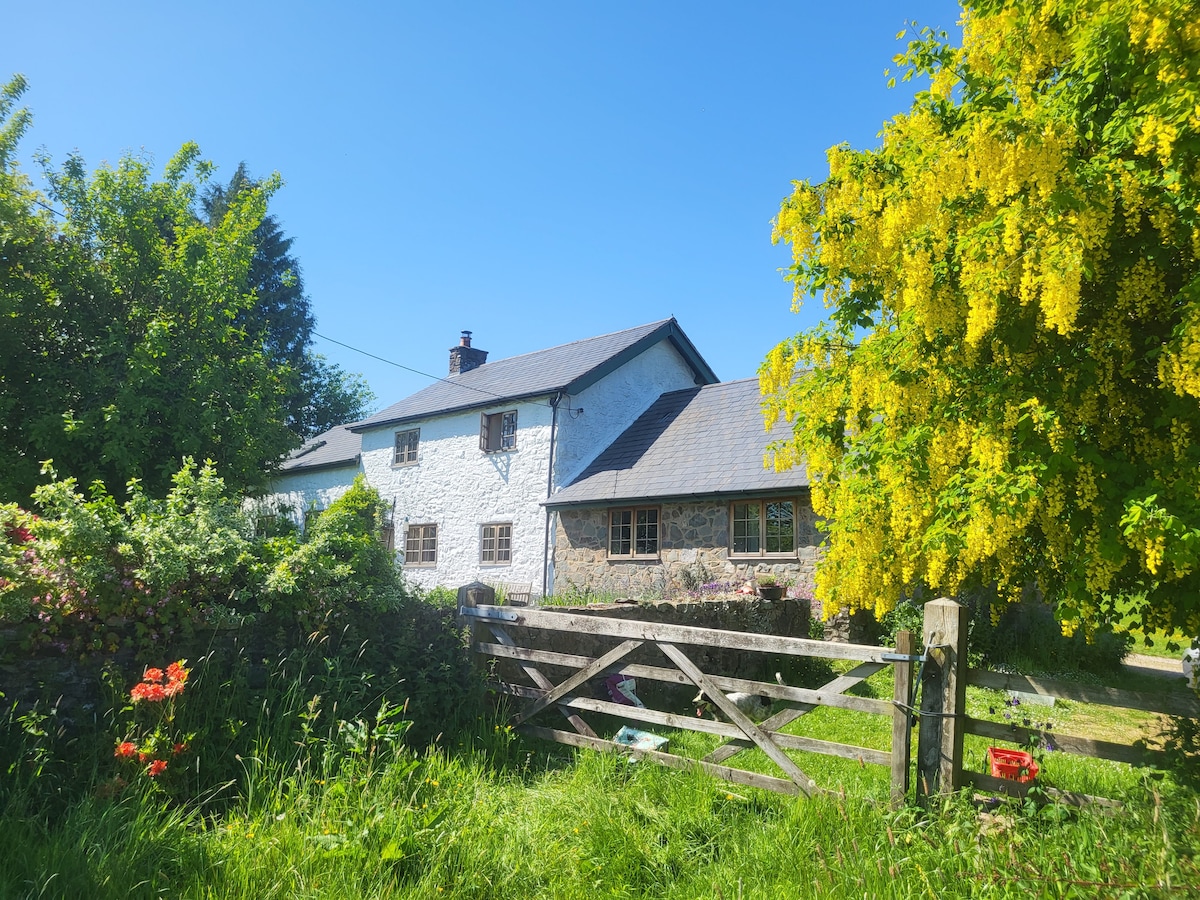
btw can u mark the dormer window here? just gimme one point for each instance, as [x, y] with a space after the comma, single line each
[498, 431]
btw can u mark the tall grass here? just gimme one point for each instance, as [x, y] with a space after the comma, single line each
[495, 817]
[307, 783]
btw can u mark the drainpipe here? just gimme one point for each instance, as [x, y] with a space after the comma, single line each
[554, 401]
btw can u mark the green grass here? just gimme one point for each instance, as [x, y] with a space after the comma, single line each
[320, 807]
[495, 816]
[458, 826]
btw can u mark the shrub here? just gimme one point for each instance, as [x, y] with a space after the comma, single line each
[1028, 637]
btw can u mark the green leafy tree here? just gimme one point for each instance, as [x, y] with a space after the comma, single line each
[36, 353]
[126, 347]
[319, 395]
[1007, 390]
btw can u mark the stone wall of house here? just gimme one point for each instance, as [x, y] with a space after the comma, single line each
[693, 549]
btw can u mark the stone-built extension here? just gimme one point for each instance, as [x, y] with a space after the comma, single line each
[684, 494]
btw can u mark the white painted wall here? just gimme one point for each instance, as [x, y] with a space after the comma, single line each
[457, 487]
[613, 404]
[293, 493]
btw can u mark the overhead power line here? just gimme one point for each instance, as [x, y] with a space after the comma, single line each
[391, 362]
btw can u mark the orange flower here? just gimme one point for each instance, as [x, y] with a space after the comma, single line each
[178, 748]
[153, 675]
[176, 671]
[126, 749]
[157, 767]
[146, 691]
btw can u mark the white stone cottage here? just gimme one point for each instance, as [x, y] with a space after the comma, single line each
[682, 495]
[466, 463]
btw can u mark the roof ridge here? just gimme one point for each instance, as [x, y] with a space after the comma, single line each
[587, 340]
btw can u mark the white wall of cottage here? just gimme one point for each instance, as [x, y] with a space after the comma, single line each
[297, 492]
[613, 404]
[459, 488]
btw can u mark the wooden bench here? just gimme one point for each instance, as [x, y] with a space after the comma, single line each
[514, 593]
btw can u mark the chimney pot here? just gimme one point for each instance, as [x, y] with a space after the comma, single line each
[464, 357]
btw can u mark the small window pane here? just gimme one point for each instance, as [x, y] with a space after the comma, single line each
[406, 447]
[420, 545]
[620, 532]
[746, 528]
[646, 542]
[508, 431]
[780, 527]
[496, 544]
[498, 431]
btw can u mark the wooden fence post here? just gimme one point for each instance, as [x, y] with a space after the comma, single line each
[901, 718]
[470, 596]
[943, 699]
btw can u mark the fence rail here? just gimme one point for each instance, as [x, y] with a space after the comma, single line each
[569, 696]
[941, 715]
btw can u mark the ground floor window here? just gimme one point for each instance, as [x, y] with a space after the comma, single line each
[420, 545]
[495, 544]
[763, 528]
[633, 532]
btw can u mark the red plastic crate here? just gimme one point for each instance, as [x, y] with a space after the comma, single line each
[1015, 765]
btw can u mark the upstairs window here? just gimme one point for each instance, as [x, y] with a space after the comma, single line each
[495, 545]
[498, 431]
[764, 528]
[420, 545]
[406, 447]
[633, 533]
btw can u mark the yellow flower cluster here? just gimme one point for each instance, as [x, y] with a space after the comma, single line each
[1035, 327]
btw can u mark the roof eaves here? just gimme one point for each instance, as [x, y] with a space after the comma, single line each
[490, 403]
[669, 330]
[328, 464]
[702, 495]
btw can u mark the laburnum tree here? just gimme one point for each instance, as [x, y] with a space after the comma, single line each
[1006, 392]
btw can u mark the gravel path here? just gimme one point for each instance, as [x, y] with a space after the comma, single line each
[1154, 665]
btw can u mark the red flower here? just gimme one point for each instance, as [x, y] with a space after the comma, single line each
[178, 748]
[153, 675]
[126, 749]
[157, 767]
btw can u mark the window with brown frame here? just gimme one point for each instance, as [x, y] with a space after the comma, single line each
[420, 545]
[495, 544]
[763, 528]
[407, 443]
[633, 532]
[498, 431]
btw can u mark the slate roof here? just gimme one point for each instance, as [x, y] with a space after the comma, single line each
[338, 446]
[569, 367]
[696, 442]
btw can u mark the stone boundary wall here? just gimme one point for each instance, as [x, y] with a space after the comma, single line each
[693, 548]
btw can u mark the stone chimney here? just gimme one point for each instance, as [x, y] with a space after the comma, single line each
[464, 357]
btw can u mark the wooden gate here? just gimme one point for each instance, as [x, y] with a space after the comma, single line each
[491, 637]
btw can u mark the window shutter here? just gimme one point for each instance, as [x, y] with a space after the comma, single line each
[483, 432]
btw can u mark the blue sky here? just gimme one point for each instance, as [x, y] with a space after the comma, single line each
[535, 172]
